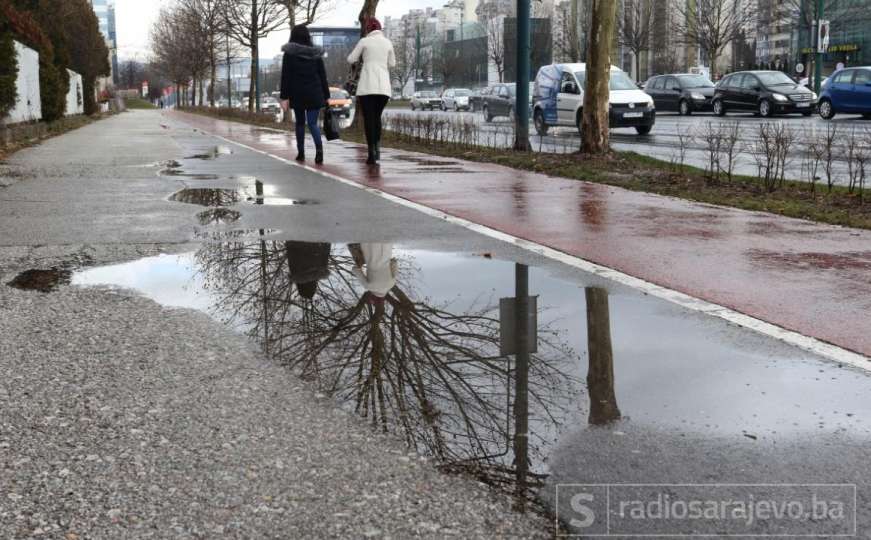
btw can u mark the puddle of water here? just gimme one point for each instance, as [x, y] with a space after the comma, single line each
[213, 153]
[218, 197]
[41, 280]
[235, 234]
[619, 380]
[208, 196]
[218, 216]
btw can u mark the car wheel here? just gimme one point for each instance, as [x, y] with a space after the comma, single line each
[719, 108]
[683, 108]
[487, 116]
[866, 116]
[540, 125]
[643, 130]
[412, 107]
[579, 118]
[827, 112]
[765, 110]
[456, 107]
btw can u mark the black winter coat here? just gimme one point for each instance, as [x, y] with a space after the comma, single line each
[304, 77]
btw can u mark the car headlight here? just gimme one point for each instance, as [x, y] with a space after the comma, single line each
[697, 95]
[779, 97]
[650, 105]
[814, 96]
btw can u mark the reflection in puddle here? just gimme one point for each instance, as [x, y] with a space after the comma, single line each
[213, 153]
[192, 176]
[41, 280]
[601, 388]
[217, 197]
[218, 216]
[207, 196]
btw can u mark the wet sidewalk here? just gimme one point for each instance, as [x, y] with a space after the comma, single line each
[810, 278]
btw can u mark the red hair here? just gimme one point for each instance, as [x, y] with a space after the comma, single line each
[372, 24]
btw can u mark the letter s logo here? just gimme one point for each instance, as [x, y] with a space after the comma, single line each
[589, 517]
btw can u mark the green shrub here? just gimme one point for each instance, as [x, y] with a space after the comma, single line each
[8, 73]
[52, 90]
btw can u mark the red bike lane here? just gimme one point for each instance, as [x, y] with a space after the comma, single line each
[810, 278]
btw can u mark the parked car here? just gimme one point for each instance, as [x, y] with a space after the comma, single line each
[425, 100]
[847, 91]
[340, 102]
[685, 93]
[765, 92]
[476, 100]
[559, 99]
[456, 99]
[270, 105]
[499, 101]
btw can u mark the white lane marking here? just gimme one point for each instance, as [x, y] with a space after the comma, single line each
[807, 343]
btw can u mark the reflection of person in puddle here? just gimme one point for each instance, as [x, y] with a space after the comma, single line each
[308, 263]
[379, 275]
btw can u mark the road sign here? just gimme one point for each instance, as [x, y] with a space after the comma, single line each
[823, 40]
[508, 325]
[799, 68]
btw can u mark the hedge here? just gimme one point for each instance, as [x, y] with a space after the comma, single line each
[8, 73]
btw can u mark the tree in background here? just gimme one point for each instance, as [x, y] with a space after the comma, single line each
[209, 25]
[169, 48]
[713, 25]
[87, 49]
[8, 70]
[634, 29]
[594, 123]
[406, 60]
[492, 29]
[249, 21]
[304, 11]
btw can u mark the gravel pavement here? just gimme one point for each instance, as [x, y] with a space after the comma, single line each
[123, 419]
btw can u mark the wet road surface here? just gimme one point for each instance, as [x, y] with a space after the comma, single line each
[810, 278]
[618, 387]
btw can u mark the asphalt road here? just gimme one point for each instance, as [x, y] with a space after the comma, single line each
[664, 141]
[139, 410]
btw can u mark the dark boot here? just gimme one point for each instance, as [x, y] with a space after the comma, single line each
[319, 155]
[371, 159]
[300, 156]
[378, 151]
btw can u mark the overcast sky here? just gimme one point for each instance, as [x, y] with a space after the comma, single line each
[135, 17]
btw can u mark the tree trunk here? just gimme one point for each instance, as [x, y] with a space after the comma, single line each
[214, 74]
[594, 125]
[252, 87]
[600, 375]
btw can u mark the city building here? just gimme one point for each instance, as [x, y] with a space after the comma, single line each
[849, 38]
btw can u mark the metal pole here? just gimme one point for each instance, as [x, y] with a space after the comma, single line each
[521, 382]
[818, 63]
[521, 106]
[417, 57]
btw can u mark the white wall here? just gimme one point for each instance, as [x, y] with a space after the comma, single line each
[75, 95]
[28, 105]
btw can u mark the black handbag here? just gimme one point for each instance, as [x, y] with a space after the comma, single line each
[331, 125]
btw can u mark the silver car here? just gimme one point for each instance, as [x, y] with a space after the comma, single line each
[425, 100]
[457, 99]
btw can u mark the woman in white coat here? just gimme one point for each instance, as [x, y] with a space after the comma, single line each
[374, 89]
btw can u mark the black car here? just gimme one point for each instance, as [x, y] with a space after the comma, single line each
[476, 100]
[499, 101]
[765, 92]
[685, 93]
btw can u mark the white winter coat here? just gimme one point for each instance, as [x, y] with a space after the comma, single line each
[380, 274]
[378, 57]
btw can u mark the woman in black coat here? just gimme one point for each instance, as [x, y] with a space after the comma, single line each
[304, 87]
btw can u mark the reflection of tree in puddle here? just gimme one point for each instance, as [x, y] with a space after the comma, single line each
[431, 372]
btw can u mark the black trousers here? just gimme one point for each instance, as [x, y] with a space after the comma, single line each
[373, 108]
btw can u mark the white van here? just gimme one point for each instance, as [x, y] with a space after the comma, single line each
[559, 98]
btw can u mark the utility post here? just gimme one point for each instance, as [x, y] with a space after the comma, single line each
[818, 56]
[521, 106]
[417, 57]
[521, 377]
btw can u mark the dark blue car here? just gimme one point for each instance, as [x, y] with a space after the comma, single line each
[847, 91]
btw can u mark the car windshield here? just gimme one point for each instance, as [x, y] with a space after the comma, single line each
[512, 89]
[462, 93]
[338, 94]
[695, 81]
[427, 94]
[621, 81]
[774, 78]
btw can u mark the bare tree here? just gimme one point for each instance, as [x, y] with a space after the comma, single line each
[595, 138]
[634, 29]
[303, 11]
[211, 27]
[493, 29]
[247, 22]
[406, 56]
[801, 14]
[713, 25]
